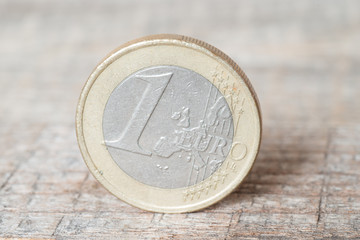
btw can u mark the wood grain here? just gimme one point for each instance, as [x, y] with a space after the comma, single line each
[303, 59]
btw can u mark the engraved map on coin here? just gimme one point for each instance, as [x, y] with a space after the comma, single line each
[168, 127]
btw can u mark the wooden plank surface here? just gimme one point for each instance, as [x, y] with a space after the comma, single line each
[303, 58]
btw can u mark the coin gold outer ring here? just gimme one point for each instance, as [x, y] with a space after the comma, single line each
[201, 58]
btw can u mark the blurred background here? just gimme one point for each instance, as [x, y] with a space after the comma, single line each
[302, 57]
[48, 49]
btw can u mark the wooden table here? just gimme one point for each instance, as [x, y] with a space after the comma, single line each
[303, 58]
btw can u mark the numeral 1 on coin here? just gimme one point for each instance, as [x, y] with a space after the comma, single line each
[129, 138]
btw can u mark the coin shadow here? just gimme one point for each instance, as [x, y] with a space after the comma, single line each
[289, 163]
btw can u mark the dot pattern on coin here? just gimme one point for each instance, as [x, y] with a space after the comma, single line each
[167, 127]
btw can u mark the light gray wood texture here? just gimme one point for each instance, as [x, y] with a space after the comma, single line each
[303, 59]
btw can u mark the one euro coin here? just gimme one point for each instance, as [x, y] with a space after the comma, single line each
[168, 123]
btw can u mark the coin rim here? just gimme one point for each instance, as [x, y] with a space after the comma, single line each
[108, 60]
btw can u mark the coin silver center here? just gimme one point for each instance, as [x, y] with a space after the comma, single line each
[168, 127]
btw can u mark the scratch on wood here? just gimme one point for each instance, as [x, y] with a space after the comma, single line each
[229, 226]
[76, 199]
[7, 179]
[57, 226]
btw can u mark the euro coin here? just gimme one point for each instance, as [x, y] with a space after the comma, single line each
[168, 123]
